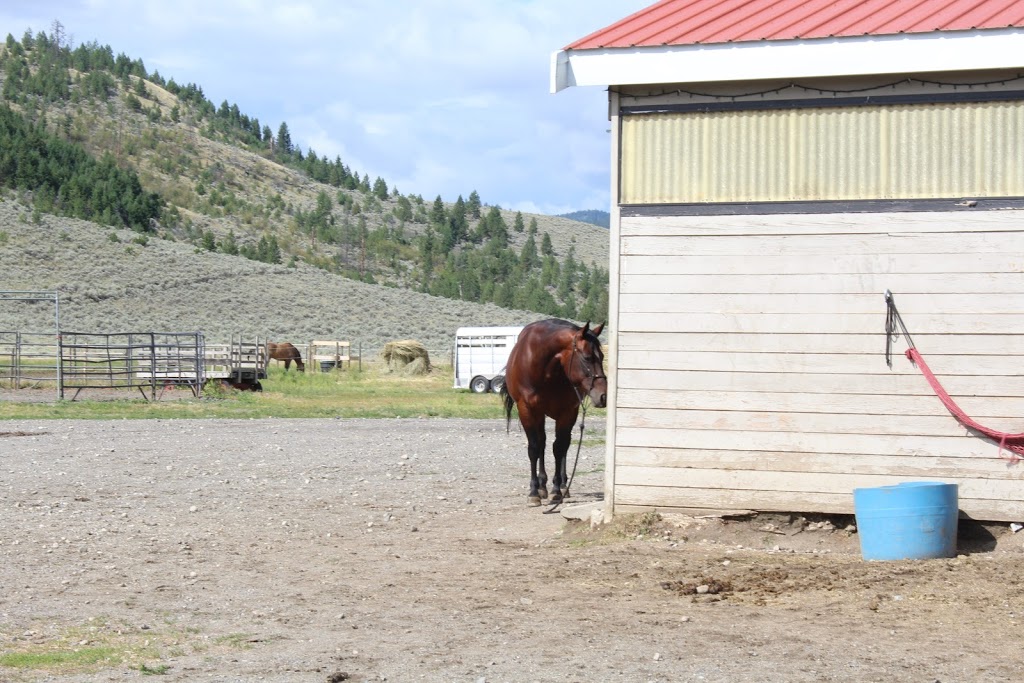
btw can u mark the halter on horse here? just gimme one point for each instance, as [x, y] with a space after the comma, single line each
[287, 352]
[553, 368]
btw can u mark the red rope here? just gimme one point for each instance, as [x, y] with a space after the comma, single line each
[1014, 443]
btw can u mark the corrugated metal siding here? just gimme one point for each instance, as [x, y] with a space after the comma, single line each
[689, 22]
[879, 152]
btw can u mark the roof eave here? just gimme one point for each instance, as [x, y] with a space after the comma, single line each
[847, 56]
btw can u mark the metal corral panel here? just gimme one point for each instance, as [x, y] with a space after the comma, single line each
[964, 149]
[750, 368]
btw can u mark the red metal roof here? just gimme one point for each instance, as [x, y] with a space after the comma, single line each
[688, 22]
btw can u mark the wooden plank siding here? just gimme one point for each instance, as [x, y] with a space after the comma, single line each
[749, 368]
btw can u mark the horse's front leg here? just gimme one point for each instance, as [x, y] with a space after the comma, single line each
[563, 439]
[535, 439]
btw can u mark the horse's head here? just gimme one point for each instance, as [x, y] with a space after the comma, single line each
[586, 365]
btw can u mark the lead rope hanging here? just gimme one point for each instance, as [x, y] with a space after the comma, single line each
[1010, 442]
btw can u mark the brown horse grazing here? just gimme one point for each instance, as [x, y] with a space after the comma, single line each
[554, 366]
[287, 352]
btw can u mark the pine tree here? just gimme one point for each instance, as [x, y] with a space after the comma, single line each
[438, 214]
[567, 282]
[497, 230]
[518, 225]
[284, 140]
[528, 257]
[549, 271]
[474, 205]
[457, 218]
[268, 250]
[209, 241]
[546, 247]
[380, 189]
[427, 249]
[229, 245]
[403, 211]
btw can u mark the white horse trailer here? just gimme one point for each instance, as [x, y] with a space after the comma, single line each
[480, 357]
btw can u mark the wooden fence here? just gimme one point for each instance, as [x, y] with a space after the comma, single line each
[327, 355]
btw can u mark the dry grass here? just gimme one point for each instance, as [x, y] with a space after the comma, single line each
[120, 286]
[406, 356]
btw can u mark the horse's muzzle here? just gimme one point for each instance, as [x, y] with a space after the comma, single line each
[599, 393]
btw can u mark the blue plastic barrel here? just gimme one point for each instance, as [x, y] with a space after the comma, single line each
[914, 520]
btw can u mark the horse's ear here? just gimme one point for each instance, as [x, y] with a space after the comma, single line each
[597, 329]
[586, 328]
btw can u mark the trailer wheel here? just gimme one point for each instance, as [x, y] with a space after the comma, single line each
[497, 383]
[479, 385]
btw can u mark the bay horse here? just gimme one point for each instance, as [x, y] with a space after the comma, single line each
[287, 352]
[552, 369]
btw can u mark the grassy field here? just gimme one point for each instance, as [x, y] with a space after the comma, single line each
[370, 392]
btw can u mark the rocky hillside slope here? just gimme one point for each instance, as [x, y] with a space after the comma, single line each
[110, 282]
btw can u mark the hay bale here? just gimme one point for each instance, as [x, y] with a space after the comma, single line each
[406, 356]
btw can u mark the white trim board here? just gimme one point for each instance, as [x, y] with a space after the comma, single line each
[938, 51]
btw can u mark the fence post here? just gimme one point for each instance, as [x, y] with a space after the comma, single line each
[200, 362]
[60, 366]
[16, 361]
[152, 364]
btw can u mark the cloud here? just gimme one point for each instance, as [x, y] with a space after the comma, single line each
[437, 96]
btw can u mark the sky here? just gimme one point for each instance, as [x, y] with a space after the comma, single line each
[437, 97]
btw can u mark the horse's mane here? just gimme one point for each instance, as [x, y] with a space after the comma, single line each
[559, 323]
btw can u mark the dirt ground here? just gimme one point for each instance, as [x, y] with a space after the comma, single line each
[403, 550]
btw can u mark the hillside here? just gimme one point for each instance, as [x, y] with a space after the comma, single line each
[124, 286]
[594, 216]
[231, 186]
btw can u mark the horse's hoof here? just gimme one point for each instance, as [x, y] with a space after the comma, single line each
[565, 494]
[543, 493]
[556, 499]
[534, 501]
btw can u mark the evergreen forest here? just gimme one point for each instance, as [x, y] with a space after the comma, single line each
[93, 135]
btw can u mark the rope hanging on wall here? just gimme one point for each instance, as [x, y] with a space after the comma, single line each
[1013, 443]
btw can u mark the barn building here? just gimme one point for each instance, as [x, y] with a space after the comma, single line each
[776, 168]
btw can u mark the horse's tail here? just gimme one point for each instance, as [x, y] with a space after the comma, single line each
[509, 405]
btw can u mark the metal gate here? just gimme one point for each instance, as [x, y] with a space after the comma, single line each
[148, 361]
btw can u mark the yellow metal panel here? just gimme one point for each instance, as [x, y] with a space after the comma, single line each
[879, 152]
